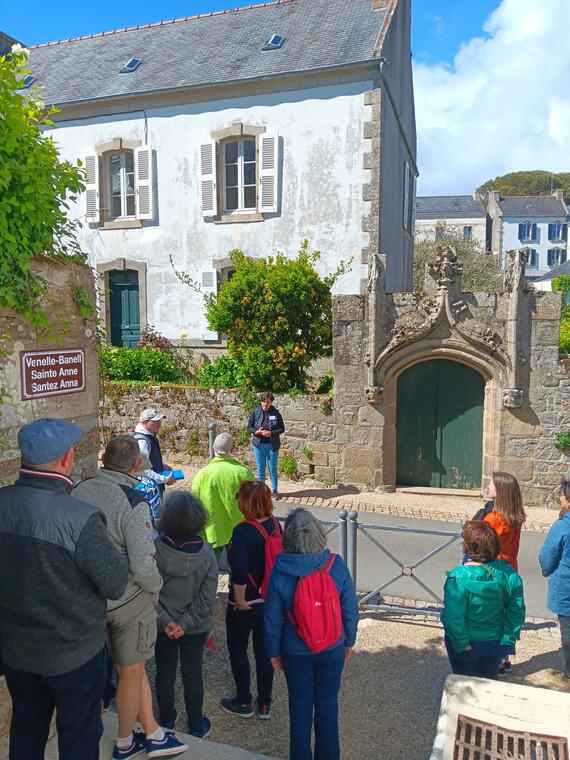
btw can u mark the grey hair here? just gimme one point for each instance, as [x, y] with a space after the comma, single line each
[303, 533]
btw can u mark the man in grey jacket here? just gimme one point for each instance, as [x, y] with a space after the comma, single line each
[131, 620]
[58, 568]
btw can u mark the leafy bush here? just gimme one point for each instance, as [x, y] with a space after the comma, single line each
[224, 372]
[138, 364]
[288, 467]
[242, 438]
[327, 383]
[565, 335]
[562, 442]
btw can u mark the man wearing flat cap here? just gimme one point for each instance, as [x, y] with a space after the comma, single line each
[58, 569]
[149, 424]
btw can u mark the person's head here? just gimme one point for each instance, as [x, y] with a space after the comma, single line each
[151, 419]
[182, 515]
[266, 400]
[254, 500]
[48, 444]
[303, 533]
[480, 541]
[122, 454]
[564, 496]
[505, 491]
[223, 445]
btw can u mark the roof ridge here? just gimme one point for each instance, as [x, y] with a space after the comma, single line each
[269, 3]
[548, 195]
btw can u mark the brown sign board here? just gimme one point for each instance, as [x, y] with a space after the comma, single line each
[52, 372]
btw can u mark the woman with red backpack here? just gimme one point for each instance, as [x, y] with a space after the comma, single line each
[254, 544]
[310, 622]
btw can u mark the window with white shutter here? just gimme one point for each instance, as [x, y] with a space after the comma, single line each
[268, 172]
[209, 286]
[92, 204]
[144, 205]
[208, 191]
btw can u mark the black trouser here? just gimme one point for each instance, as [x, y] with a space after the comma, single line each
[76, 696]
[191, 649]
[239, 626]
[564, 621]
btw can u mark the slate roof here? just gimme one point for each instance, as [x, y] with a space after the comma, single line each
[532, 205]
[449, 207]
[555, 272]
[211, 48]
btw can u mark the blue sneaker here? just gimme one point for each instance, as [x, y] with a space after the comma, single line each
[203, 730]
[138, 747]
[167, 747]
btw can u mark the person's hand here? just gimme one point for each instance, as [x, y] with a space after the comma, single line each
[266, 433]
[347, 653]
[170, 481]
[171, 629]
[277, 664]
[179, 633]
[242, 606]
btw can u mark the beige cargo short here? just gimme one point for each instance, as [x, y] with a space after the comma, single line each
[131, 630]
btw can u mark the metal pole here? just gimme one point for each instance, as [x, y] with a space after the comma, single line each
[352, 543]
[212, 436]
[342, 515]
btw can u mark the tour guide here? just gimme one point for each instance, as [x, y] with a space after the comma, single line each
[149, 424]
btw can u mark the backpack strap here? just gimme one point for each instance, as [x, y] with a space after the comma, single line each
[327, 567]
[259, 527]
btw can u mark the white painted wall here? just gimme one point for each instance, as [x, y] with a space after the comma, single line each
[427, 227]
[321, 131]
[510, 241]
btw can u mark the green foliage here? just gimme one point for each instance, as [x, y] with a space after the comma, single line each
[277, 314]
[288, 467]
[327, 383]
[84, 305]
[193, 446]
[138, 364]
[35, 187]
[534, 182]
[565, 335]
[481, 270]
[242, 438]
[327, 406]
[249, 398]
[561, 284]
[562, 442]
[224, 372]
[308, 454]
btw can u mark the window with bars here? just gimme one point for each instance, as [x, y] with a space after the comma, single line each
[476, 740]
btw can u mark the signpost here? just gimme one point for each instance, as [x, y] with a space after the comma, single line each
[52, 372]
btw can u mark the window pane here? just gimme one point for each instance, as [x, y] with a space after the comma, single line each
[130, 205]
[231, 153]
[249, 150]
[130, 183]
[249, 197]
[249, 174]
[116, 205]
[231, 198]
[231, 175]
[128, 162]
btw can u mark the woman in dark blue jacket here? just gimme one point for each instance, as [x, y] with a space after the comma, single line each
[555, 564]
[313, 680]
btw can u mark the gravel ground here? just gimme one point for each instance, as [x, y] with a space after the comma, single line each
[391, 690]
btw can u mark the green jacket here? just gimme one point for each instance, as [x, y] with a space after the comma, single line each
[216, 485]
[483, 604]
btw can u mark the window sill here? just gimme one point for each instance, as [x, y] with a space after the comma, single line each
[238, 218]
[121, 224]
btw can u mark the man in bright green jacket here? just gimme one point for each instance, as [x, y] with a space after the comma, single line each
[216, 485]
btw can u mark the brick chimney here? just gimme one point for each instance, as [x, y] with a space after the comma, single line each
[558, 194]
[379, 4]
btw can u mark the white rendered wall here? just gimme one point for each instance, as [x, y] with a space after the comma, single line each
[511, 242]
[321, 134]
[425, 227]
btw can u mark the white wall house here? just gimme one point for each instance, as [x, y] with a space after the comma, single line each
[250, 129]
[536, 225]
[465, 214]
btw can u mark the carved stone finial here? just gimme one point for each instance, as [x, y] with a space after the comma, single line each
[374, 394]
[445, 272]
[512, 398]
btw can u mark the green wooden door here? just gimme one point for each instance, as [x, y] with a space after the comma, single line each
[124, 307]
[440, 425]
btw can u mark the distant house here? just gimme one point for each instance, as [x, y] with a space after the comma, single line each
[253, 128]
[464, 213]
[535, 225]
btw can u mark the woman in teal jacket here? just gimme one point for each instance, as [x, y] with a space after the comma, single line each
[484, 607]
[555, 563]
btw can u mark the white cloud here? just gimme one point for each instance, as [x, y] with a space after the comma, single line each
[503, 106]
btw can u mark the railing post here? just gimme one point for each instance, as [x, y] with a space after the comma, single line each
[212, 437]
[352, 543]
[342, 515]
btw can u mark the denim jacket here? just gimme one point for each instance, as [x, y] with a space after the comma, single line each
[555, 563]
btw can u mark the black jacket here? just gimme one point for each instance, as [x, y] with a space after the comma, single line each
[275, 425]
[484, 511]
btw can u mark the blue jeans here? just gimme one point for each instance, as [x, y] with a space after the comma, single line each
[564, 621]
[264, 453]
[313, 681]
[481, 661]
[77, 698]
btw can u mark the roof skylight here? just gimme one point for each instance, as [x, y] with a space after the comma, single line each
[29, 79]
[274, 43]
[130, 66]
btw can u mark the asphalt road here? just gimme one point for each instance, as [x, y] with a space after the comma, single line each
[374, 568]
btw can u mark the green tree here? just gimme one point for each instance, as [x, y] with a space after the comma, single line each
[535, 182]
[35, 187]
[277, 314]
[481, 270]
[561, 284]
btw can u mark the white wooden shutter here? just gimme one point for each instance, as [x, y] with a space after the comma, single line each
[208, 194]
[144, 202]
[268, 172]
[92, 208]
[209, 285]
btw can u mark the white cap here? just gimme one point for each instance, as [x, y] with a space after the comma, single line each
[223, 444]
[151, 415]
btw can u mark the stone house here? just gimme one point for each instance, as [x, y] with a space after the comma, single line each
[536, 225]
[252, 129]
[464, 213]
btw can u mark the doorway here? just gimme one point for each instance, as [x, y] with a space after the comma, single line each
[124, 308]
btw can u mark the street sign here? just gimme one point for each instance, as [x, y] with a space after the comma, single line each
[52, 372]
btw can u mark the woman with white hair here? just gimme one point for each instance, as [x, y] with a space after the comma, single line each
[313, 676]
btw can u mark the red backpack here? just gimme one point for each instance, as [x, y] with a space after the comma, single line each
[273, 547]
[316, 612]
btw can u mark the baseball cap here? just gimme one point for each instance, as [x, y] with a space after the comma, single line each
[47, 439]
[151, 414]
[223, 444]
